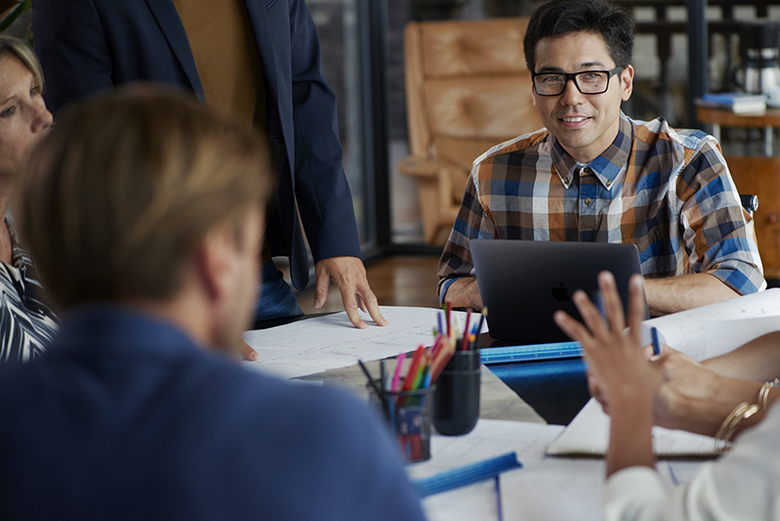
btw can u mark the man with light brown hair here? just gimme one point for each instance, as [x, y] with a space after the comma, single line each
[145, 212]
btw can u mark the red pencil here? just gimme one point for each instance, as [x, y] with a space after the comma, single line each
[449, 308]
[464, 343]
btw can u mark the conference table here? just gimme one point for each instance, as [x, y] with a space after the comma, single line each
[554, 389]
[550, 488]
[544, 487]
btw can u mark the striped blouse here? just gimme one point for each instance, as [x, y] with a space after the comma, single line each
[667, 191]
[27, 325]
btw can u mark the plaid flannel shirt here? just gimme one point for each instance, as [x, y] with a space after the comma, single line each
[667, 191]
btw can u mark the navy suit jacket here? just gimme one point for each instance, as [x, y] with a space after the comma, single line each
[126, 418]
[86, 46]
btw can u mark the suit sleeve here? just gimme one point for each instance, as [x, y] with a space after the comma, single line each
[323, 194]
[71, 45]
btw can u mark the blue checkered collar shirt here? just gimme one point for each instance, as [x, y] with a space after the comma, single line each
[607, 167]
[667, 191]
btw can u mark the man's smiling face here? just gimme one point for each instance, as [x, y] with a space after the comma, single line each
[585, 124]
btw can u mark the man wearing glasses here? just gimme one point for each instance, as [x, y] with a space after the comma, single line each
[594, 174]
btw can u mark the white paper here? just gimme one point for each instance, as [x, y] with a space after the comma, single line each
[565, 489]
[718, 328]
[555, 489]
[489, 439]
[329, 342]
[562, 489]
[588, 433]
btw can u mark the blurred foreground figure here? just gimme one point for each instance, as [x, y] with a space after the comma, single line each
[743, 484]
[146, 214]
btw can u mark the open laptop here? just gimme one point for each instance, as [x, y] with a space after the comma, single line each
[523, 283]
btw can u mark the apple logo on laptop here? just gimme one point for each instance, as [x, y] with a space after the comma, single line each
[561, 293]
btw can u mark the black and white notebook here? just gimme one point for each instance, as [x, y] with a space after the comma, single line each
[588, 435]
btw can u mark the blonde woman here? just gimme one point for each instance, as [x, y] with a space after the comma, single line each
[26, 323]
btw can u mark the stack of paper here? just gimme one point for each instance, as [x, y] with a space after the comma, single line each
[329, 342]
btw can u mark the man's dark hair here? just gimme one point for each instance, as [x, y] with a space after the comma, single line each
[559, 17]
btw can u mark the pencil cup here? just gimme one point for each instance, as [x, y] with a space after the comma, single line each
[409, 416]
[456, 400]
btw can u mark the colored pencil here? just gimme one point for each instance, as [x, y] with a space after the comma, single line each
[444, 355]
[397, 374]
[464, 344]
[410, 374]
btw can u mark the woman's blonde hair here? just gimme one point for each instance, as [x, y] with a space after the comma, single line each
[24, 53]
[122, 191]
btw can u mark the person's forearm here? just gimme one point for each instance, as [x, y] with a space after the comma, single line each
[706, 416]
[464, 293]
[674, 294]
[630, 437]
[758, 360]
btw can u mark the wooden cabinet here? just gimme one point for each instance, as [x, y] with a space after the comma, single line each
[761, 176]
[756, 175]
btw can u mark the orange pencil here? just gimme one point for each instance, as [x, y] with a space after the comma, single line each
[418, 378]
[416, 359]
[445, 353]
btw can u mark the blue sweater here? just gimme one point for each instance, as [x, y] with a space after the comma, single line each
[126, 418]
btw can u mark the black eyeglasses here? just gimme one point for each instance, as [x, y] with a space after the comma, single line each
[587, 82]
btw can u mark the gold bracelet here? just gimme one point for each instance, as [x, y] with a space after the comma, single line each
[763, 394]
[729, 426]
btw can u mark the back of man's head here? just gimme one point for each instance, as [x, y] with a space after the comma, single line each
[119, 195]
[559, 17]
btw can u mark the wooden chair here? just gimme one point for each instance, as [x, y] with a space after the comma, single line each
[761, 176]
[467, 89]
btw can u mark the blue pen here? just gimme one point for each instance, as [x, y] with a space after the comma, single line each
[426, 384]
[656, 345]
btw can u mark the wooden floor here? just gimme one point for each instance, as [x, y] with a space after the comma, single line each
[401, 280]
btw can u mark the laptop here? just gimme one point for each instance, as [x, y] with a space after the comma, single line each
[523, 283]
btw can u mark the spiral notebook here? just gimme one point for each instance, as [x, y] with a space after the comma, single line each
[588, 435]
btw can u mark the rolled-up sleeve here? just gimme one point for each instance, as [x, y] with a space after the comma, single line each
[474, 221]
[717, 231]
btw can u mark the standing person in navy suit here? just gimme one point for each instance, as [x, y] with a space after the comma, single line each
[259, 59]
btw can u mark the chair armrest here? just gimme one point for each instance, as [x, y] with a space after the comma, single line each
[749, 202]
[415, 166]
